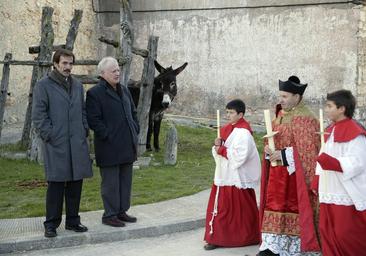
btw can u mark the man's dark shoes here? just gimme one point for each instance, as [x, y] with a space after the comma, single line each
[266, 253]
[77, 228]
[126, 218]
[113, 221]
[50, 232]
[209, 247]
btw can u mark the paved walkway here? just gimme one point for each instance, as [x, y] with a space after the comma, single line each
[187, 243]
[181, 214]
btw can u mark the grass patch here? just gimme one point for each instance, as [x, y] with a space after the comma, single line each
[23, 190]
[17, 147]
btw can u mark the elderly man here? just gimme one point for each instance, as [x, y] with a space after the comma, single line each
[112, 116]
[288, 209]
[58, 115]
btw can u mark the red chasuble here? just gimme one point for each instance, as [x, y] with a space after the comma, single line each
[287, 206]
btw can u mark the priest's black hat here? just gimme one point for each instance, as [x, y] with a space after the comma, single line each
[292, 85]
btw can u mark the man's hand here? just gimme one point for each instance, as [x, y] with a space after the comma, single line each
[273, 155]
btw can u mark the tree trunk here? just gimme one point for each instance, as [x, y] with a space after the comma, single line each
[4, 88]
[147, 81]
[171, 146]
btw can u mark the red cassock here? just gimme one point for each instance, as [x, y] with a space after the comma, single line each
[232, 212]
[237, 221]
[342, 190]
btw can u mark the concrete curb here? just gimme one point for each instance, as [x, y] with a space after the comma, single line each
[75, 239]
[156, 219]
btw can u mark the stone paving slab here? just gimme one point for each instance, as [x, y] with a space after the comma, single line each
[181, 214]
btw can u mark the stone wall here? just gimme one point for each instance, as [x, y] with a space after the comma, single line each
[20, 23]
[241, 48]
[234, 48]
[361, 67]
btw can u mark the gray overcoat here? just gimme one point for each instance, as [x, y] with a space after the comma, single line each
[60, 120]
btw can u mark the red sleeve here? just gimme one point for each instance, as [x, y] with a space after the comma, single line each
[222, 151]
[328, 162]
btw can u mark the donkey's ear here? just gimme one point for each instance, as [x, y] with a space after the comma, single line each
[159, 67]
[180, 69]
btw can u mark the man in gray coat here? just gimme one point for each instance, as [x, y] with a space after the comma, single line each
[59, 117]
[112, 116]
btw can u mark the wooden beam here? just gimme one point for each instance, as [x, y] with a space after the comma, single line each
[115, 44]
[4, 88]
[141, 52]
[87, 79]
[35, 49]
[49, 63]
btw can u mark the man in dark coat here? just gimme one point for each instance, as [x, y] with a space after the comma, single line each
[112, 116]
[59, 117]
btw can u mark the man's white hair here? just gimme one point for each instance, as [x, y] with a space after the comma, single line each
[105, 63]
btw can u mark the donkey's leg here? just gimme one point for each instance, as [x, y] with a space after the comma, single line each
[157, 124]
[149, 133]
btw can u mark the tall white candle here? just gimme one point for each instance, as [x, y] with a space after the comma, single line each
[321, 121]
[270, 134]
[218, 123]
[268, 122]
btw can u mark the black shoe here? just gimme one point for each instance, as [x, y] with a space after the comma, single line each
[126, 218]
[77, 228]
[266, 252]
[209, 247]
[113, 221]
[50, 232]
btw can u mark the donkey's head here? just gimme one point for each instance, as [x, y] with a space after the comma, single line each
[165, 83]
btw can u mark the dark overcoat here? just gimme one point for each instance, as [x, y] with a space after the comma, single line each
[60, 120]
[113, 119]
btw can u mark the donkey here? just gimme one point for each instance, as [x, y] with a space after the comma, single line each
[164, 91]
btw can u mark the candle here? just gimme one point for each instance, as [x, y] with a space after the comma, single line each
[321, 122]
[268, 121]
[270, 133]
[218, 123]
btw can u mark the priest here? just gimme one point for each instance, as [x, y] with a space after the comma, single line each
[288, 208]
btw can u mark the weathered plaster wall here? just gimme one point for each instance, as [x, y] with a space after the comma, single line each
[361, 68]
[241, 48]
[234, 48]
[20, 23]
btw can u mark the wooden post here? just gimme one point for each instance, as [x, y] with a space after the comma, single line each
[28, 114]
[171, 146]
[45, 54]
[147, 81]
[126, 40]
[73, 30]
[4, 88]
